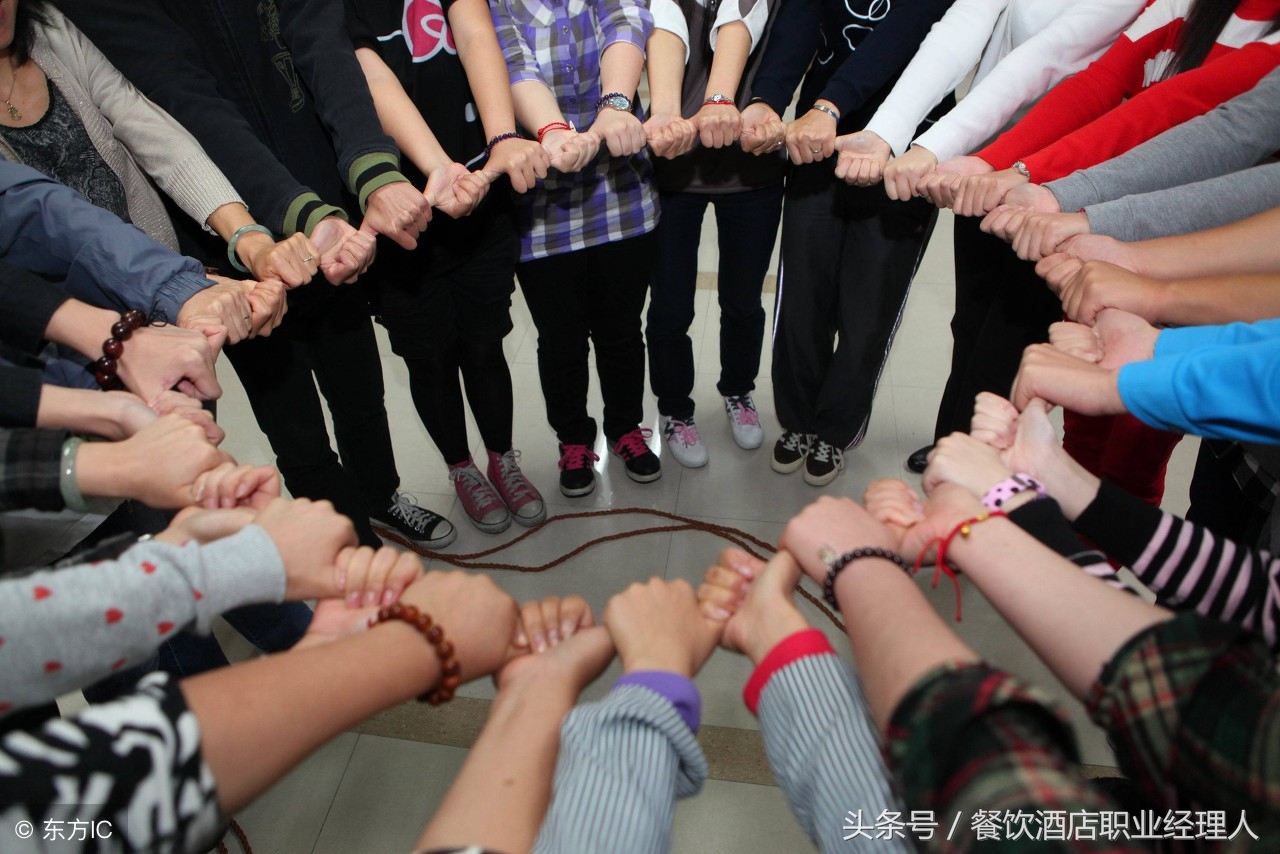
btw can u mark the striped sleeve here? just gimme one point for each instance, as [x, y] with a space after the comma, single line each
[623, 762]
[825, 754]
[1185, 563]
[1043, 520]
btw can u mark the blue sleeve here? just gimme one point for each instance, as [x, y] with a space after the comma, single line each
[1176, 342]
[794, 39]
[49, 229]
[1228, 392]
[882, 54]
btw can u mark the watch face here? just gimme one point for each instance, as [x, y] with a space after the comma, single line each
[617, 102]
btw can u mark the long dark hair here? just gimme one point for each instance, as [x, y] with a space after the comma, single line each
[1204, 23]
[29, 12]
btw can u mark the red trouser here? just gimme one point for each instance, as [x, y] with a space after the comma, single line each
[1122, 449]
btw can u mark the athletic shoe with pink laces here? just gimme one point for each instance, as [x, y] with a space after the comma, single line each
[685, 443]
[744, 421]
[643, 465]
[521, 497]
[577, 477]
[484, 508]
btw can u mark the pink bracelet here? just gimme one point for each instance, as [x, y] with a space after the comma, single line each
[1004, 490]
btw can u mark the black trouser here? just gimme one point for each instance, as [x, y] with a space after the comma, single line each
[326, 339]
[1002, 307]
[848, 257]
[747, 225]
[590, 297]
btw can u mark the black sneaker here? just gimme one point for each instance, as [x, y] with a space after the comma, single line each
[789, 451]
[577, 477]
[824, 463]
[409, 524]
[643, 465]
[919, 460]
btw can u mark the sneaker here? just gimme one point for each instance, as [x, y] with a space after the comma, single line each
[685, 443]
[410, 524]
[789, 451]
[919, 460]
[824, 463]
[745, 421]
[481, 501]
[643, 466]
[576, 474]
[521, 497]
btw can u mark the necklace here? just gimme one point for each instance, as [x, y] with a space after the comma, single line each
[14, 112]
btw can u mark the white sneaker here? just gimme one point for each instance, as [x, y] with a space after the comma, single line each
[745, 421]
[685, 443]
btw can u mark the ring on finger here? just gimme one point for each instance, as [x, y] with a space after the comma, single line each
[308, 258]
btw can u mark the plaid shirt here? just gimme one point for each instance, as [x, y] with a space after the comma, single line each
[30, 462]
[559, 43]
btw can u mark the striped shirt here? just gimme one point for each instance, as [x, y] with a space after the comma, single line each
[559, 43]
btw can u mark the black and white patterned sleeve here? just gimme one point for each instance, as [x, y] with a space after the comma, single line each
[121, 776]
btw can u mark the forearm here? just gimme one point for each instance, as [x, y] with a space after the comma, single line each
[261, 718]
[1217, 300]
[1247, 246]
[733, 47]
[79, 410]
[620, 67]
[508, 772]
[399, 117]
[81, 327]
[486, 69]
[666, 72]
[535, 105]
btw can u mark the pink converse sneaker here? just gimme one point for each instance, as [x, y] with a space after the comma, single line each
[484, 508]
[515, 490]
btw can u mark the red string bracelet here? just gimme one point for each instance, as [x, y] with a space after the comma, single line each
[548, 128]
[940, 564]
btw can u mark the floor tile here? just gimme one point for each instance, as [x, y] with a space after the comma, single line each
[289, 817]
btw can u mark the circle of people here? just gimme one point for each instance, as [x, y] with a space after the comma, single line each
[183, 180]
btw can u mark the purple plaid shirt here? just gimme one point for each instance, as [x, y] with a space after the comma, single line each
[559, 43]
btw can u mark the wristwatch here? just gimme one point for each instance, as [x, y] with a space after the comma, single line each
[614, 101]
[718, 99]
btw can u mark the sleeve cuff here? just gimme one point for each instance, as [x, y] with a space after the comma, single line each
[667, 16]
[242, 569]
[305, 212]
[1074, 192]
[1147, 391]
[174, 293]
[678, 690]
[373, 171]
[790, 650]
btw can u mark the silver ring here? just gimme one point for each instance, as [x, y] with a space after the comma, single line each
[309, 258]
[246, 318]
[815, 151]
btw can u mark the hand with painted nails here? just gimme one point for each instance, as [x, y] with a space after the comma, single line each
[309, 535]
[231, 485]
[657, 626]
[365, 577]
[477, 617]
[753, 600]
[546, 622]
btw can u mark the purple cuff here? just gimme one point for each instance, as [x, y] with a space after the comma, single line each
[679, 690]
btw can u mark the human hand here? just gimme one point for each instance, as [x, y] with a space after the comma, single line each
[718, 125]
[1125, 338]
[367, 576]
[1099, 247]
[941, 185]
[832, 524]
[657, 626]
[620, 130]
[231, 485]
[194, 524]
[397, 211]
[157, 359]
[477, 617]
[455, 190]
[966, 461]
[158, 465]
[189, 408]
[862, 159]
[1041, 234]
[332, 621]
[1096, 286]
[309, 535]
[571, 151]
[268, 304]
[1063, 380]
[345, 253]
[293, 261]
[224, 305]
[995, 421]
[978, 195]
[1076, 339]
[522, 160]
[1033, 197]
[763, 131]
[902, 175]
[812, 137]
[753, 600]
[570, 665]
[894, 504]
[670, 135]
[548, 621]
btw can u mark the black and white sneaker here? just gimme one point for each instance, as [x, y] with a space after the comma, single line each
[789, 451]
[824, 463]
[405, 522]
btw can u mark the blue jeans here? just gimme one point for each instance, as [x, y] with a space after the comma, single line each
[747, 224]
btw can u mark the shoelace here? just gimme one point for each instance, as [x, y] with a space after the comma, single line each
[474, 483]
[634, 444]
[685, 433]
[578, 457]
[822, 451]
[513, 480]
[743, 410]
[406, 509]
[793, 441]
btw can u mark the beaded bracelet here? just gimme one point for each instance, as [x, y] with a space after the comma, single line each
[488, 149]
[106, 369]
[235, 239]
[548, 128]
[837, 564]
[449, 668]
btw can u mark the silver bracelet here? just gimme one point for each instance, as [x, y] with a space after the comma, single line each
[830, 112]
[67, 483]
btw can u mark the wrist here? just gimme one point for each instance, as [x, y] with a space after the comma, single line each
[778, 625]
[81, 326]
[673, 660]
[401, 642]
[102, 471]
[251, 245]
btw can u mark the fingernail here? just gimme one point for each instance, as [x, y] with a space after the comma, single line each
[719, 613]
[371, 598]
[745, 570]
[353, 599]
[553, 636]
[521, 640]
[388, 597]
[539, 644]
[342, 581]
[199, 493]
[566, 629]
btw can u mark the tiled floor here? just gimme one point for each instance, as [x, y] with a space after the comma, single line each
[370, 793]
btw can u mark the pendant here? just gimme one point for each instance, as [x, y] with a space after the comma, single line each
[14, 114]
